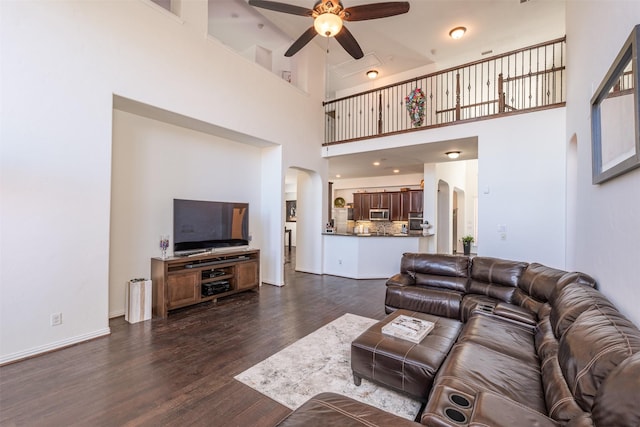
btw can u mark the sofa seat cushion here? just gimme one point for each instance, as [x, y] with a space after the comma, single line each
[334, 410]
[471, 368]
[594, 345]
[501, 336]
[438, 302]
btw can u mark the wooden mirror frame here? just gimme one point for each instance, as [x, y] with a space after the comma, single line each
[612, 154]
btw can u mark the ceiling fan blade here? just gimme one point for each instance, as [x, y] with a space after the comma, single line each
[305, 38]
[375, 10]
[349, 43]
[281, 7]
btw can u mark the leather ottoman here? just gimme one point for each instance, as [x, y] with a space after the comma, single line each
[399, 364]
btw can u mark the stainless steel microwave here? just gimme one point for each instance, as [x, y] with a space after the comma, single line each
[378, 214]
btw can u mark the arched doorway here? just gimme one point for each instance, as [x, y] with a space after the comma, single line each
[304, 187]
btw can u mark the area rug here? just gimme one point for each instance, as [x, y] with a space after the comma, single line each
[321, 362]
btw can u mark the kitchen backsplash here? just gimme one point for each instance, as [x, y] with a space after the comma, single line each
[377, 227]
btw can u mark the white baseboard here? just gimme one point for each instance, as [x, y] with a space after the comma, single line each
[272, 284]
[116, 313]
[14, 357]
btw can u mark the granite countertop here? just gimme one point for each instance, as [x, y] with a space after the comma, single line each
[371, 235]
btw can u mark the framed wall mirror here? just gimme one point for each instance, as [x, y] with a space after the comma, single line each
[615, 116]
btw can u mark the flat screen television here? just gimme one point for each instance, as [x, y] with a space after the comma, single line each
[199, 225]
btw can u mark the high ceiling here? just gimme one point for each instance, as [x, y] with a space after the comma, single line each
[403, 46]
[396, 44]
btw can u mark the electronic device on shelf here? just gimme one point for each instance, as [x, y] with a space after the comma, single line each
[200, 227]
[213, 288]
[210, 274]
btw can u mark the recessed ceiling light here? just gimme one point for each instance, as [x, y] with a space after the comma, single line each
[396, 170]
[453, 154]
[372, 74]
[338, 175]
[376, 163]
[457, 33]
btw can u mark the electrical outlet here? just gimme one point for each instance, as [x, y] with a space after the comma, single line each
[503, 236]
[56, 319]
[339, 262]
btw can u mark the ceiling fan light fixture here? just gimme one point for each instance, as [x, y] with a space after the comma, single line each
[372, 74]
[453, 154]
[457, 33]
[328, 24]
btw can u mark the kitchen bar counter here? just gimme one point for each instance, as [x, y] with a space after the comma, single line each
[372, 235]
[359, 256]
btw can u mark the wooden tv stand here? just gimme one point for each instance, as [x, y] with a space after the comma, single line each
[183, 281]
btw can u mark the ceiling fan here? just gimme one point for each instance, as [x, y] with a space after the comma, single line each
[328, 16]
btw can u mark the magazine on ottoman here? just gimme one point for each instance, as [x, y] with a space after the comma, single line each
[408, 328]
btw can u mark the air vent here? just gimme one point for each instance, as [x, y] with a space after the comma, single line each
[352, 67]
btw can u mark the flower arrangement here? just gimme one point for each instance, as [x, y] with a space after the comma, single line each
[164, 245]
[415, 103]
[467, 240]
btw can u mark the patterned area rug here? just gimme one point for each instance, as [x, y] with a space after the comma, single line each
[320, 362]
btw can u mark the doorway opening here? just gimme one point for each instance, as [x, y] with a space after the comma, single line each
[444, 218]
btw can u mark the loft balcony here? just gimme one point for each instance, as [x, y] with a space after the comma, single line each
[524, 80]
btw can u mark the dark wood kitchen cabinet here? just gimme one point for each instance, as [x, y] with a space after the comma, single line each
[361, 206]
[399, 203]
[411, 201]
[395, 206]
[379, 200]
[416, 200]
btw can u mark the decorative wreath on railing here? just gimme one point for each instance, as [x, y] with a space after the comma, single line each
[415, 102]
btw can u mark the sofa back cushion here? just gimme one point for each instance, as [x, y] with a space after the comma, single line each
[539, 281]
[616, 402]
[569, 301]
[494, 277]
[435, 270]
[435, 264]
[597, 341]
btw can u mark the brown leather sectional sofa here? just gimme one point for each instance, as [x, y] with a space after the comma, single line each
[540, 346]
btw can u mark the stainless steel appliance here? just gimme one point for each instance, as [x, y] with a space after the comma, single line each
[378, 214]
[415, 222]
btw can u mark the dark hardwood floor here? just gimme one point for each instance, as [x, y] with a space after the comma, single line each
[179, 371]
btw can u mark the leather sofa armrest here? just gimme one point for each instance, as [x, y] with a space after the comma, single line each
[449, 407]
[401, 279]
[493, 410]
[514, 312]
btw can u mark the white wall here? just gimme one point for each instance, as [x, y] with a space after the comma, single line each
[154, 163]
[459, 175]
[606, 224]
[62, 64]
[522, 164]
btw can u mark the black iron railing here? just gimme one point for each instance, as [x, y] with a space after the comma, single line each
[526, 79]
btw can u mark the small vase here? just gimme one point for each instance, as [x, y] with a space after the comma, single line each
[467, 248]
[164, 245]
